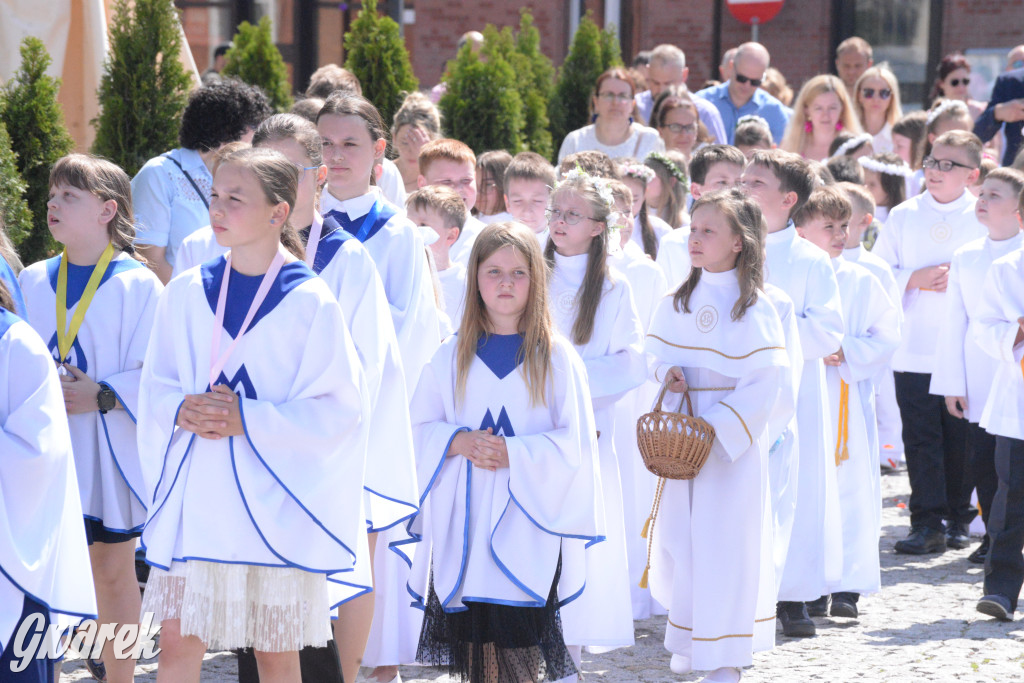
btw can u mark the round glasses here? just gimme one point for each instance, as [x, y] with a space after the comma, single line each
[611, 97]
[570, 217]
[679, 128]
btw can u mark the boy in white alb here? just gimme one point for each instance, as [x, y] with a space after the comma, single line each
[781, 182]
[452, 163]
[919, 240]
[441, 209]
[529, 180]
[887, 412]
[713, 167]
[872, 328]
[963, 372]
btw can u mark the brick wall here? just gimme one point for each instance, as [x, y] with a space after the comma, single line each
[982, 23]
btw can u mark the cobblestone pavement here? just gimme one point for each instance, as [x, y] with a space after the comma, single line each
[921, 627]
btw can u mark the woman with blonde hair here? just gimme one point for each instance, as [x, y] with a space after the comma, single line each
[877, 102]
[417, 122]
[822, 109]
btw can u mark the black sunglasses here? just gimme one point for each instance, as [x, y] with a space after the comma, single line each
[957, 81]
[883, 93]
[756, 82]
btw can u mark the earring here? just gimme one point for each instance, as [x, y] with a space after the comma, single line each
[593, 118]
[272, 221]
[839, 126]
[631, 120]
[807, 126]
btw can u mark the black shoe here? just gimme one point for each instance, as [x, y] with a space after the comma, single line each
[996, 606]
[96, 669]
[980, 553]
[794, 619]
[819, 607]
[845, 605]
[922, 541]
[957, 536]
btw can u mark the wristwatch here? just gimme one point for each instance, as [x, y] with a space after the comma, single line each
[106, 399]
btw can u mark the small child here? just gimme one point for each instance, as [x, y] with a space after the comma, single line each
[845, 169]
[528, 182]
[987, 166]
[752, 133]
[781, 182]
[998, 328]
[508, 468]
[908, 138]
[871, 335]
[666, 194]
[963, 372]
[720, 339]
[885, 176]
[453, 164]
[850, 145]
[713, 167]
[944, 116]
[648, 230]
[490, 187]
[597, 164]
[442, 210]
[918, 242]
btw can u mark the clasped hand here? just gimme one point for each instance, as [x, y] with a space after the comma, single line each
[213, 415]
[482, 448]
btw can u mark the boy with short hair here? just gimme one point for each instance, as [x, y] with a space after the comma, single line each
[528, 183]
[887, 412]
[452, 163]
[712, 167]
[781, 182]
[441, 209]
[871, 334]
[918, 242]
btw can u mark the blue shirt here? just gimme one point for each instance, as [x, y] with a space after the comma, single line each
[762, 104]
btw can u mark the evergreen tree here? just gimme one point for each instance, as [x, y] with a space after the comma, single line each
[482, 106]
[255, 60]
[611, 51]
[570, 104]
[41, 138]
[378, 58]
[13, 209]
[536, 81]
[144, 87]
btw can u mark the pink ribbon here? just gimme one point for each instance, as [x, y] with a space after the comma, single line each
[313, 241]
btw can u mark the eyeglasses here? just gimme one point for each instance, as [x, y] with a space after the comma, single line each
[570, 217]
[678, 128]
[1017, 64]
[957, 81]
[756, 82]
[611, 97]
[944, 165]
[883, 93]
[303, 169]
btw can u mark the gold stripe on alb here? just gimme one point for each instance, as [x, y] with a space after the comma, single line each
[710, 388]
[724, 355]
[738, 418]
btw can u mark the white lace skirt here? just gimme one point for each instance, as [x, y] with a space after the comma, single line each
[228, 606]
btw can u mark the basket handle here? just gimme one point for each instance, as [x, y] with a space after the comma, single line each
[686, 397]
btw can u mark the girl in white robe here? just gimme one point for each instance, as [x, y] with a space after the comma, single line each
[94, 305]
[596, 312]
[507, 462]
[254, 447]
[44, 561]
[711, 540]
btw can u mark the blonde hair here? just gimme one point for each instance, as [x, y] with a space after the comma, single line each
[107, 181]
[825, 202]
[860, 197]
[444, 201]
[535, 324]
[445, 149]
[7, 251]
[417, 110]
[744, 218]
[895, 111]
[795, 137]
[592, 289]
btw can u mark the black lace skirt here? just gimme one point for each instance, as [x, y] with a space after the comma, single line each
[490, 643]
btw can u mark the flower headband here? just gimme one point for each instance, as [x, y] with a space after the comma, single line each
[852, 144]
[669, 165]
[942, 108]
[900, 169]
[638, 171]
[604, 190]
[753, 118]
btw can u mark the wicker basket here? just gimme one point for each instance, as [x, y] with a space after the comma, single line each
[674, 445]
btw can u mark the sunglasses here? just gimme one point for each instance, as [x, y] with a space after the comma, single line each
[756, 82]
[957, 81]
[883, 94]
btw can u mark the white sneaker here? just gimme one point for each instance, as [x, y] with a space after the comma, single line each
[726, 674]
[680, 664]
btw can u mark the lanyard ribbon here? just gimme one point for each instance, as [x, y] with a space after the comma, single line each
[369, 220]
[843, 432]
[313, 241]
[216, 366]
[66, 335]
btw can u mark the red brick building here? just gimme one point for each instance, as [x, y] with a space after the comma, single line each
[912, 34]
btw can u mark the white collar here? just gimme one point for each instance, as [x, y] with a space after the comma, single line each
[354, 207]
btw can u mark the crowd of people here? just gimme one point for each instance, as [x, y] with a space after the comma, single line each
[361, 409]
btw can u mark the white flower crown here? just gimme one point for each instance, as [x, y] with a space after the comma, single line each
[900, 169]
[943, 107]
[852, 144]
[638, 171]
[604, 190]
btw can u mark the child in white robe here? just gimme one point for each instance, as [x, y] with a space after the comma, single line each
[781, 182]
[451, 163]
[254, 447]
[963, 372]
[529, 180]
[439, 209]
[595, 310]
[719, 338]
[44, 561]
[94, 306]
[648, 229]
[507, 460]
[872, 334]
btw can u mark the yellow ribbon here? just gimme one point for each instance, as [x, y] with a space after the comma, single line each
[843, 432]
[66, 335]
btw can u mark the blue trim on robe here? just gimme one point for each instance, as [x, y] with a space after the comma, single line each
[465, 543]
[501, 353]
[384, 213]
[11, 280]
[242, 290]
[120, 471]
[78, 276]
[163, 468]
[42, 602]
[331, 241]
[7, 319]
[134, 530]
[370, 529]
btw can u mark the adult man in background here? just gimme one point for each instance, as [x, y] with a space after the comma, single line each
[668, 67]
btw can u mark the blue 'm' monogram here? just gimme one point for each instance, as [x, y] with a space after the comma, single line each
[76, 356]
[240, 383]
[503, 426]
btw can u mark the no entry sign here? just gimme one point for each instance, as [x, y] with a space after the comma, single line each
[754, 12]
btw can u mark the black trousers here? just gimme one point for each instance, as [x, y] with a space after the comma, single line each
[1004, 565]
[318, 665]
[935, 443]
[981, 466]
